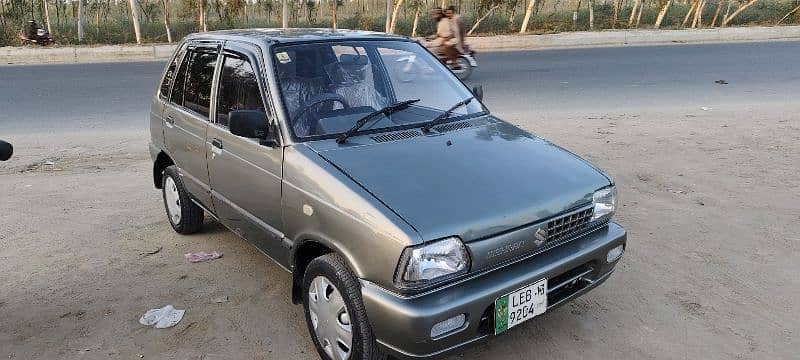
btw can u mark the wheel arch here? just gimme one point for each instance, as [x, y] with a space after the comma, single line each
[159, 165]
[306, 251]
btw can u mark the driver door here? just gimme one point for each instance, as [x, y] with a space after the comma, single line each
[245, 175]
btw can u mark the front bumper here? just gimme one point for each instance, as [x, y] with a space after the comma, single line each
[402, 324]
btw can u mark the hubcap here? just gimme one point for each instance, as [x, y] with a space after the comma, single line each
[330, 319]
[173, 200]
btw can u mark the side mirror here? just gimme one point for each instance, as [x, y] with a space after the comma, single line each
[250, 124]
[477, 91]
[6, 150]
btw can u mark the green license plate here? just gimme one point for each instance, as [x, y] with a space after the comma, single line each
[519, 306]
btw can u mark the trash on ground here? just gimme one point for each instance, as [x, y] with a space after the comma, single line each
[221, 299]
[202, 256]
[721, 82]
[705, 108]
[162, 318]
[148, 253]
[49, 166]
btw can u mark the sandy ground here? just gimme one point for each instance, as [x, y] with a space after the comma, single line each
[710, 200]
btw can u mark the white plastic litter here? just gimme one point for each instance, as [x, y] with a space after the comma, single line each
[162, 318]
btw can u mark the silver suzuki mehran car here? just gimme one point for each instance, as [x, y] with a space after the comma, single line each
[413, 221]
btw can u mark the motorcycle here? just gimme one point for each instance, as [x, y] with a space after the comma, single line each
[466, 61]
[6, 150]
[42, 38]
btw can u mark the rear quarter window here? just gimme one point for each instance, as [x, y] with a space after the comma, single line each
[166, 82]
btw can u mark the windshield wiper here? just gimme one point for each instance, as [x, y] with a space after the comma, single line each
[386, 111]
[427, 127]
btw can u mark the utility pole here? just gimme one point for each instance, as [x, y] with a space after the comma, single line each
[284, 14]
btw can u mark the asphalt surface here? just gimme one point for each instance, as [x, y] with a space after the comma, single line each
[115, 96]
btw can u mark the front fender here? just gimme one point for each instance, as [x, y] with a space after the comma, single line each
[322, 204]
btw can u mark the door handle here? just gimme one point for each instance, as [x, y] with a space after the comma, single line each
[216, 148]
[169, 119]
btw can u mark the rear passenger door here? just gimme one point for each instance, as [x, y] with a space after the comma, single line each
[161, 99]
[245, 175]
[186, 117]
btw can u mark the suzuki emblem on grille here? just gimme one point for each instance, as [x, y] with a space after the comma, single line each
[540, 237]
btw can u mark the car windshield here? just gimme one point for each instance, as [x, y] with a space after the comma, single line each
[327, 87]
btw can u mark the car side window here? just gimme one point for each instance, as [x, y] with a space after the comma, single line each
[163, 91]
[238, 88]
[199, 76]
[177, 90]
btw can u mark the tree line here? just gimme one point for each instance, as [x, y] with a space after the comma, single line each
[122, 21]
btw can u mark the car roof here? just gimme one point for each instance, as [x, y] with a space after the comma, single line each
[292, 35]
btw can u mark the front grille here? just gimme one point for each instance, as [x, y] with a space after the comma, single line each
[568, 225]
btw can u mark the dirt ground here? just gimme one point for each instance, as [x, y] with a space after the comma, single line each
[709, 199]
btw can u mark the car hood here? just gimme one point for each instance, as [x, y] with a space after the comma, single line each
[472, 182]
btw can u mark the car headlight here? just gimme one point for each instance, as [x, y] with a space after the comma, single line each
[433, 261]
[605, 203]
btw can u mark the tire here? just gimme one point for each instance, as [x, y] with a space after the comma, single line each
[466, 68]
[183, 214]
[332, 268]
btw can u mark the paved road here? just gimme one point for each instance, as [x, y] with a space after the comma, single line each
[115, 96]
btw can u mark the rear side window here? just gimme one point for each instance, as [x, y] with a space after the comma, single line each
[177, 90]
[170, 74]
[199, 75]
[238, 89]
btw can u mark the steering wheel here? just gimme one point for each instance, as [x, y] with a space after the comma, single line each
[319, 99]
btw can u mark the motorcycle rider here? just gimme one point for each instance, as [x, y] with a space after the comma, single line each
[31, 30]
[446, 38]
[457, 23]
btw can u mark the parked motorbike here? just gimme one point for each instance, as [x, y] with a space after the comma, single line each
[42, 38]
[6, 150]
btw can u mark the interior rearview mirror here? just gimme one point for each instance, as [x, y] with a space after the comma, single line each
[6, 150]
[477, 91]
[250, 124]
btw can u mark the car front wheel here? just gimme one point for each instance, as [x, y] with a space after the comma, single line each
[184, 215]
[335, 313]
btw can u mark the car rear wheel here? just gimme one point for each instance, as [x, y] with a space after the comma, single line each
[184, 215]
[335, 313]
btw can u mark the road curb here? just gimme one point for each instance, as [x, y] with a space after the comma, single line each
[110, 53]
[634, 37]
